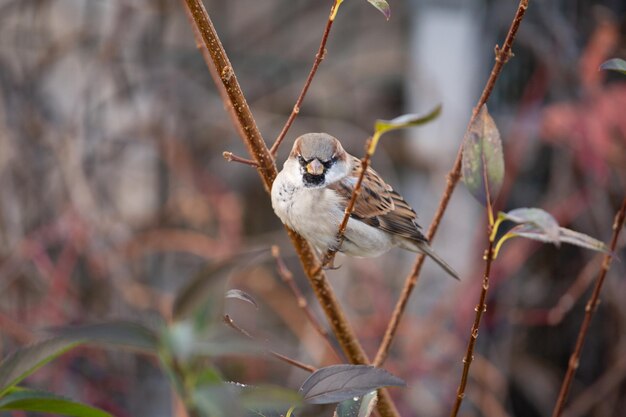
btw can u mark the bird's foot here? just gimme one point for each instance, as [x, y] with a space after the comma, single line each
[328, 263]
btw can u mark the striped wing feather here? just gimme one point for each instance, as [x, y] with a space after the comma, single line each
[379, 205]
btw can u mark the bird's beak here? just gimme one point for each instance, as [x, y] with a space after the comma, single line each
[315, 167]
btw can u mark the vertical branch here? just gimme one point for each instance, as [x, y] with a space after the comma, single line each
[224, 77]
[590, 308]
[226, 80]
[502, 56]
[480, 309]
[319, 57]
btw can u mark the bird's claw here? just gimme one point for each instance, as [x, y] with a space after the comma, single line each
[328, 263]
[332, 267]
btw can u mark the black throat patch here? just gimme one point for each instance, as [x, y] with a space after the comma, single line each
[311, 180]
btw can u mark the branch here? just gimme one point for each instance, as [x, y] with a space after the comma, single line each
[231, 157]
[590, 308]
[365, 162]
[480, 309]
[221, 70]
[319, 57]
[502, 56]
[287, 277]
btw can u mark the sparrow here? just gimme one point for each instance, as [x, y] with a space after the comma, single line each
[311, 192]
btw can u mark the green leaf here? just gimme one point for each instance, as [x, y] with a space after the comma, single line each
[206, 290]
[584, 241]
[116, 333]
[25, 361]
[223, 341]
[179, 339]
[337, 383]
[540, 219]
[615, 64]
[217, 400]
[565, 236]
[407, 120]
[268, 398]
[208, 376]
[382, 7]
[537, 224]
[357, 406]
[186, 342]
[483, 163]
[45, 402]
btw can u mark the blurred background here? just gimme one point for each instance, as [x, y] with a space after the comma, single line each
[114, 191]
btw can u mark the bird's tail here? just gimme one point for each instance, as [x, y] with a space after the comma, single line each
[424, 247]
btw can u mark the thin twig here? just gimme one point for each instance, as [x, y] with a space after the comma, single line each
[590, 308]
[231, 157]
[567, 301]
[601, 388]
[319, 57]
[231, 323]
[329, 258]
[480, 310]
[287, 277]
[502, 56]
[223, 74]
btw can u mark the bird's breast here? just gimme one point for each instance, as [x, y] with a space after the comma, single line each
[316, 214]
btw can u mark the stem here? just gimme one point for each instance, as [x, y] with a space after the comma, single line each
[495, 227]
[319, 57]
[590, 308]
[287, 277]
[221, 70]
[365, 162]
[231, 323]
[480, 310]
[501, 241]
[231, 157]
[453, 177]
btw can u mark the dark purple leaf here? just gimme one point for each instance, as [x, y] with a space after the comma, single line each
[337, 383]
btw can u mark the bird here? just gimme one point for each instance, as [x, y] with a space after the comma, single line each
[312, 191]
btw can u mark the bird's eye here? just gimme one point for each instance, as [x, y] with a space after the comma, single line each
[332, 161]
[302, 160]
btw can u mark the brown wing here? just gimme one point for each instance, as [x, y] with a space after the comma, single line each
[379, 205]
